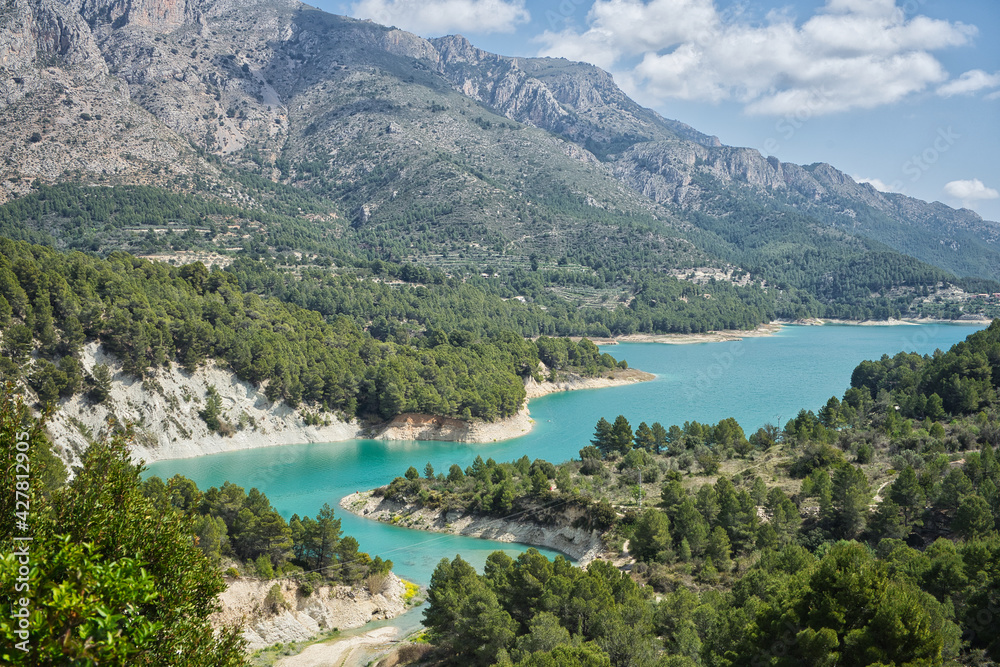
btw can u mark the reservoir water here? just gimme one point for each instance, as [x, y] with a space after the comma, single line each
[756, 380]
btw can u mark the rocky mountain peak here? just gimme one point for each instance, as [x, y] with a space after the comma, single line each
[161, 91]
[457, 49]
[154, 15]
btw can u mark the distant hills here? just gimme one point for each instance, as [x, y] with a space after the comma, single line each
[360, 143]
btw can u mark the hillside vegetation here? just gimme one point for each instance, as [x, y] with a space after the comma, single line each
[335, 141]
[150, 314]
[863, 533]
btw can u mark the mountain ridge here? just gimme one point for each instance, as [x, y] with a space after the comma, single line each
[505, 156]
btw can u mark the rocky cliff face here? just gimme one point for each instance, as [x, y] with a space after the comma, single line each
[687, 174]
[575, 100]
[67, 115]
[558, 533]
[165, 92]
[154, 15]
[302, 617]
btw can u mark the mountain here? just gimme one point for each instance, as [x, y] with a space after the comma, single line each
[376, 144]
[674, 164]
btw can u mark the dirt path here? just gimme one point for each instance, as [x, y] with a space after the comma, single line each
[878, 494]
[339, 652]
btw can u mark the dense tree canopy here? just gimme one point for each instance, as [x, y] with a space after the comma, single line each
[151, 315]
[113, 580]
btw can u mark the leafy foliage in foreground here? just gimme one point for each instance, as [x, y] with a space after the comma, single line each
[113, 580]
[231, 523]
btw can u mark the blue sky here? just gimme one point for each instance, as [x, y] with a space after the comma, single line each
[903, 93]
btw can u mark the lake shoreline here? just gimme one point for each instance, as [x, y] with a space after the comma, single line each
[578, 544]
[168, 426]
[164, 410]
[770, 329]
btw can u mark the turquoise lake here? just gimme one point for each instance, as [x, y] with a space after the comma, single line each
[756, 380]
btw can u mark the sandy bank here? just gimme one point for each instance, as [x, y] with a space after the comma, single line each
[906, 322]
[580, 544]
[729, 335]
[723, 336]
[341, 651]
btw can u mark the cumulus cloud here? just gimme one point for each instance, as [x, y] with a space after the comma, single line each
[852, 54]
[440, 17]
[969, 191]
[970, 82]
[878, 184]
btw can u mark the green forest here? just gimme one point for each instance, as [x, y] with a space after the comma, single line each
[113, 578]
[862, 533]
[240, 527]
[298, 249]
[151, 315]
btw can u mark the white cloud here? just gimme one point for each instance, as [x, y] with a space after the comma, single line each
[971, 190]
[970, 82]
[870, 7]
[852, 54]
[878, 184]
[440, 17]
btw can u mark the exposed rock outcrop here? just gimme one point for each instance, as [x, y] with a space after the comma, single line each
[158, 91]
[580, 544]
[301, 617]
[164, 408]
[432, 427]
[571, 381]
[164, 411]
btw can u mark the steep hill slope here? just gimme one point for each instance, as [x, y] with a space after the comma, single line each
[401, 148]
[675, 164]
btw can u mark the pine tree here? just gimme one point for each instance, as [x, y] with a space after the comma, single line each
[644, 438]
[850, 497]
[621, 435]
[719, 549]
[659, 437]
[973, 518]
[906, 492]
[602, 436]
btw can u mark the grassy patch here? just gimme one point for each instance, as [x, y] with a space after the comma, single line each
[271, 654]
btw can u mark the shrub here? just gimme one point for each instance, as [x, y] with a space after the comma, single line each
[377, 582]
[275, 599]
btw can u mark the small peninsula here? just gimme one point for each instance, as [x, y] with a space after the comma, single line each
[166, 412]
[560, 529]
